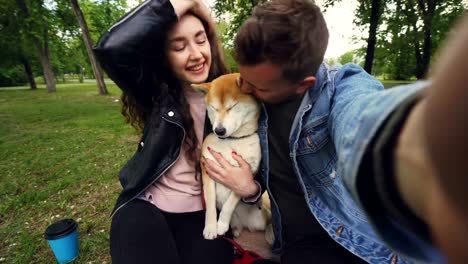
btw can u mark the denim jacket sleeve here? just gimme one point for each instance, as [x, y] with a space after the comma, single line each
[129, 50]
[360, 106]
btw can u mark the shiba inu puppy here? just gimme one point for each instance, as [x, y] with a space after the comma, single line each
[234, 116]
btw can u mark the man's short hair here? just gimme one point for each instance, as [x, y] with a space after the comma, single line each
[290, 33]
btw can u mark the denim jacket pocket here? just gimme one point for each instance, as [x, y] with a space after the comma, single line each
[316, 158]
[313, 137]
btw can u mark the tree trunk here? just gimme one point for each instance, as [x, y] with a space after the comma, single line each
[427, 9]
[412, 16]
[43, 51]
[29, 73]
[44, 57]
[372, 41]
[81, 74]
[88, 43]
[419, 70]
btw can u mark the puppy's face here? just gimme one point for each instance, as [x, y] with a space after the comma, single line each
[228, 108]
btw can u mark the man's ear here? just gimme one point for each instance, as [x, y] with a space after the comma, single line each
[305, 84]
[201, 88]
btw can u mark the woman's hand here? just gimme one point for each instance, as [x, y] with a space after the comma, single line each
[238, 179]
[181, 7]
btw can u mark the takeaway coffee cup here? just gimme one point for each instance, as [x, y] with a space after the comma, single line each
[63, 239]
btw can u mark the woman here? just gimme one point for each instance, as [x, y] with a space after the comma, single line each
[153, 54]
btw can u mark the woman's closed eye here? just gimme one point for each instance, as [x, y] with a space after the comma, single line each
[201, 39]
[178, 47]
[177, 44]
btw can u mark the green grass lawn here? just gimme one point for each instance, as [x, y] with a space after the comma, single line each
[60, 154]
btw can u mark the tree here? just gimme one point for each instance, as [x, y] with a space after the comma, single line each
[417, 29]
[88, 43]
[100, 15]
[13, 49]
[71, 46]
[63, 32]
[421, 12]
[236, 12]
[29, 72]
[376, 12]
[398, 29]
[368, 13]
[38, 26]
[43, 38]
[353, 56]
[394, 53]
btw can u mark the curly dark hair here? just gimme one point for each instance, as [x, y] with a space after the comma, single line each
[163, 85]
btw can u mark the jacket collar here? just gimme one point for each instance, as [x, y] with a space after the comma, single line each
[322, 77]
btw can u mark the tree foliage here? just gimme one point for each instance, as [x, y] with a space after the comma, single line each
[352, 56]
[52, 24]
[12, 45]
[402, 36]
[408, 34]
[97, 71]
[100, 15]
[233, 13]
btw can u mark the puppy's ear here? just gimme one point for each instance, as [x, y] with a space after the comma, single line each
[202, 88]
[239, 81]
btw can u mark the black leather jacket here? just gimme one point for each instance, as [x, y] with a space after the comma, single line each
[122, 52]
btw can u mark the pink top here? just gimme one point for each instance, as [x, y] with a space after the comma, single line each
[177, 190]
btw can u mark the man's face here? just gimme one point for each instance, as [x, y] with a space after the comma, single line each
[265, 81]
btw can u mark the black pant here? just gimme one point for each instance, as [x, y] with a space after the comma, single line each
[141, 233]
[317, 250]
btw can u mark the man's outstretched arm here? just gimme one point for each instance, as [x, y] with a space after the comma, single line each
[431, 156]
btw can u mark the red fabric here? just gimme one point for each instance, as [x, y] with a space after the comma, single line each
[242, 256]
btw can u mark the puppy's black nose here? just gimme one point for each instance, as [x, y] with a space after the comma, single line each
[220, 131]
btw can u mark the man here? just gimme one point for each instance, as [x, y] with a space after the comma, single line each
[335, 141]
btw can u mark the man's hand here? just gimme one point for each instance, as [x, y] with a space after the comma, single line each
[238, 179]
[181, 7]
[446, 135]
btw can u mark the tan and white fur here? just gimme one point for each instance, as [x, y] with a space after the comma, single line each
[234, 117]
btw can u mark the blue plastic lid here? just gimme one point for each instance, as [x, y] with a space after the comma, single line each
[60, 229]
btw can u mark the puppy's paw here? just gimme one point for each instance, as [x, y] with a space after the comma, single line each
[269, 235]
[236, 232]
[222, 227]
[210, 232]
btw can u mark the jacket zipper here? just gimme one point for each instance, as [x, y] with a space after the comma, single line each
[159, 176]
[129, 15]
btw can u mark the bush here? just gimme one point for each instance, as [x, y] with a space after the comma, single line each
[39, 80]
[13, 76]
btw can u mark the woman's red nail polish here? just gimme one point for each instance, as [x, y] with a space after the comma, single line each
[209, 148]
[233, 152]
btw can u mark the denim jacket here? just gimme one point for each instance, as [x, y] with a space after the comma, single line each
[336, 120]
